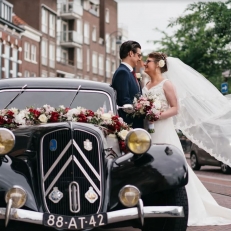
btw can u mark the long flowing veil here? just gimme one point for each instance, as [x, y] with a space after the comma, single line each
[204, 113]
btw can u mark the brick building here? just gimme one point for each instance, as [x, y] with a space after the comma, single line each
[77, 38]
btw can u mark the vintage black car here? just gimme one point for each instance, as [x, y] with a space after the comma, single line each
[67, 175]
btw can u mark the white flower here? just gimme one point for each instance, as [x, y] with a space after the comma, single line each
[157, 104]
[14, 110]
[123, 134]
[106, 116]
[43, 118]
[61, 107]
[161, 63]
[155, 111]
[20, 117]
[138, 76]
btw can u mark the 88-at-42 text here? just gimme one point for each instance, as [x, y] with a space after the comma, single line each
[75, 223]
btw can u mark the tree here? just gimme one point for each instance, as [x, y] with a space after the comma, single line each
[202, 38]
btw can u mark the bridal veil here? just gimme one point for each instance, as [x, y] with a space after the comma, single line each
[204, 113]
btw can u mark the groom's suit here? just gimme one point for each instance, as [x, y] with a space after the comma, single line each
[126, 86]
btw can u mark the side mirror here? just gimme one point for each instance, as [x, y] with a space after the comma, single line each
[128, 108]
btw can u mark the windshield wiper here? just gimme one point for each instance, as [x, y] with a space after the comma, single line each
[23, 89]
[77, 92]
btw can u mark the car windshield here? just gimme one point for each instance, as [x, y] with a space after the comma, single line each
[92, 100]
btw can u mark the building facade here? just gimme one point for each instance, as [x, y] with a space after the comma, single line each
[78, 38]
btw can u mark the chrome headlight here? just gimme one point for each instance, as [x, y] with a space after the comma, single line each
[138, 141]
[7, 141]
[17, 195]
[129, 195]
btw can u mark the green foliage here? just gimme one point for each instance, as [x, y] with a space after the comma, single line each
[202, 38]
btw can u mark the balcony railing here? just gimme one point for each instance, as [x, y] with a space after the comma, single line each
[65, 61]
[67, 37]
[70, 10]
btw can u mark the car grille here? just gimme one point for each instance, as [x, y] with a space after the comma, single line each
[71, 165]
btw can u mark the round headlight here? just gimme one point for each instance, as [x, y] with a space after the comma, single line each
[18, 196]
[129, 195]
[138, 141]
[7, 141]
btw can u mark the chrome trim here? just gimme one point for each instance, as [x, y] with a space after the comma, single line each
[43, 90]
[57, 160]
[100, 164]
[58, 175]
[41, 165]
[74, 197]
[140, 207]
[113, 217]
[8, 209]
[87, 176]
[86, 160]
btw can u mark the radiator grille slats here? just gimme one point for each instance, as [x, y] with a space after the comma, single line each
[72, 173]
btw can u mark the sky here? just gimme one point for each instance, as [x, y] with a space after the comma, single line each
[141, 17]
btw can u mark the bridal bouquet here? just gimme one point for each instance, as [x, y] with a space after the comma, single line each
[148, 106]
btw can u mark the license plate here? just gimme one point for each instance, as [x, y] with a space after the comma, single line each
[75, 223]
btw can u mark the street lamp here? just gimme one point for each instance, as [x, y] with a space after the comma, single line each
[118, 41]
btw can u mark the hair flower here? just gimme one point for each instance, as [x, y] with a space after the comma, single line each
[161, 63]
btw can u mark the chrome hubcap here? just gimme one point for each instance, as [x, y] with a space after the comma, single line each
[193, 161]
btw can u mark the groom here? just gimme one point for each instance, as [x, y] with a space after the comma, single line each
[125, 82]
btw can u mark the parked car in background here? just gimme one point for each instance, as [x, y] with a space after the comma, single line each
[199, 157]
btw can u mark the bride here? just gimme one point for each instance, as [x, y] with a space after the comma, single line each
[192, 104]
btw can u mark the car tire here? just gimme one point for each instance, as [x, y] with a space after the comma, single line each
[194, 162]
[225, 168]
[176, 197]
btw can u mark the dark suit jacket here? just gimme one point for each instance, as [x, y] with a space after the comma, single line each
[126, 86]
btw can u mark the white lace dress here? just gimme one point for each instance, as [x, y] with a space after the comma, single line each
[203, 209]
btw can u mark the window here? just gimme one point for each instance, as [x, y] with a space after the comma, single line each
[88, 59]
[79, 58]
[0, 60]
[32, 74]
[6, 11]
[52, 74]
[101, 65]
[94, 34]
[44, 20]
[113, 45]
[107, 16]
[86, 33]
[52, 55]
[44, 52]
[108, 68]
[44, 73]
[79, 26]
[27, 51]
[26, 74]
[94, 63]
[52, 25]
[33, 53]
[64, 57]
[113, 67]
[7, 61]
[108, 49]
[15, 62]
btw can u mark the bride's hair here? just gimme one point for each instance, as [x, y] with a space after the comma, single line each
[160, 56]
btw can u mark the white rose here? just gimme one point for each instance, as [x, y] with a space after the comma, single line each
[106, 116]
[161, 63]
[123, 134]
[157, 104]
[43, 118]
[20, 118]
[138, 76]
[14, 110]
[61, 107]
[155, 111]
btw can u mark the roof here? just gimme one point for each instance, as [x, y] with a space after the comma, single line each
[18, 21]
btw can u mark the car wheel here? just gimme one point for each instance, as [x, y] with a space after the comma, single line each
[194, 162]
[176, 197]
[225, 168]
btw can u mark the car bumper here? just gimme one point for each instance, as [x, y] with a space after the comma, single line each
[138, 212]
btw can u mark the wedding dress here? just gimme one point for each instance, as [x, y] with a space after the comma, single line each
[203, 209]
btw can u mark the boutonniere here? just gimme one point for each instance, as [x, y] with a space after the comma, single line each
[138, 76]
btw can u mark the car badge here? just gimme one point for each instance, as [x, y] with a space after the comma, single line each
[87, 145]
[53, 145]
[91, 195]
[55, 196]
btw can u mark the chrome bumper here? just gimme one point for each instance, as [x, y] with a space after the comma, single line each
[139, 212]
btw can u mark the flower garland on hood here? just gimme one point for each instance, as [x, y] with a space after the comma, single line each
[112, 124]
